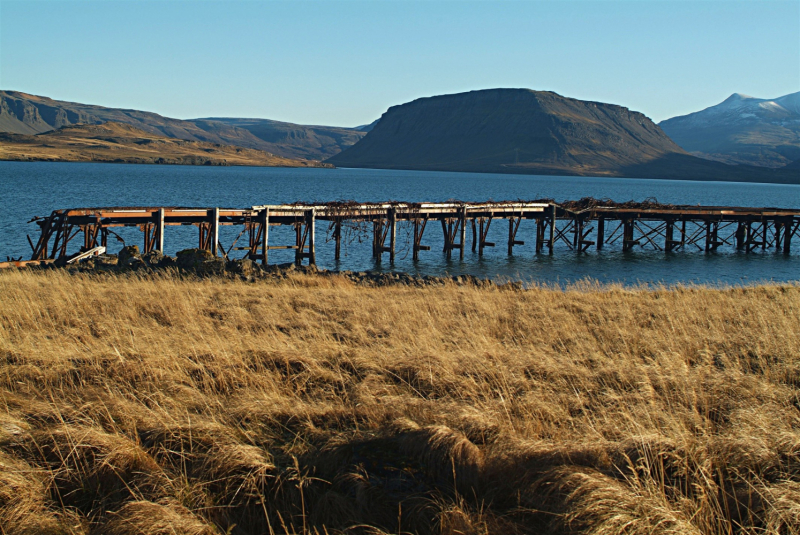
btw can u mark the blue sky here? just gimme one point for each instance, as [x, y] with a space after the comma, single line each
[345, 62]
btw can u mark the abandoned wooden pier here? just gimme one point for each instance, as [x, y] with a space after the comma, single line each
[574, 225]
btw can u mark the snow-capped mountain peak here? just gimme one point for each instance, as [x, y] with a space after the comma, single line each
[742, 129]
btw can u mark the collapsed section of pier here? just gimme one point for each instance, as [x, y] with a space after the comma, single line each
[578, 225]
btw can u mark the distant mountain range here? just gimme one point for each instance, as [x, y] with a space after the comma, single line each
[536, 132]
[742, 130]
[123, 143]
[21, 113]
[495, 131]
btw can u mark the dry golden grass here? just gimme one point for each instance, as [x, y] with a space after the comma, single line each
[161, 405]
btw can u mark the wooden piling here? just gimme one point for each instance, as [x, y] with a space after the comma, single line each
[601, 232]
[577, 234]
[741, 235]
[627, 235]
[787, 237]
[683, 233]
[160, 230]
[419, 230]
[392, 232]
[214, 222]
[474, 235]
[376, 230]
[463, 228]
[669, 235]
[310, 230]
[298, 243]
[264, 216]
[510, 236]
[552, 241]
[337, 236]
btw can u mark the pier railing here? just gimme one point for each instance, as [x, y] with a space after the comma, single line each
[579, 225]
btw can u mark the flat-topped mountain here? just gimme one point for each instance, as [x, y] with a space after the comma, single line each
[537, 132]
[21, 113]
[124, 143]
[742, 130]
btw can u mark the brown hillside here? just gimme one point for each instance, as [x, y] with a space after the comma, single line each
[123, 143]
[21, 113]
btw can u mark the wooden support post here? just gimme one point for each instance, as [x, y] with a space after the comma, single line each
[337, 235]
[376, 230]
[715, 235]
[146, 233]
[415, 246]
[463, 228]
[669, 242]
[513, 228]
[214, 221]
[552, 241]
[749, 234]
[480, 237]
[65, 239]
[264, 215]
[510, 236]
[104, 237]
[311, 218]
[474, 234]
[778, 228]
[392, 232]
[483, 232]
[419, 230]
[764, 226]
[628, 227]
[447, 245]
[601, 232]
[379, 229]
[578, 234]
[741, 235]
[298, 243]
[160, 230]
[683, 233]
[787, 236]
[538, 243]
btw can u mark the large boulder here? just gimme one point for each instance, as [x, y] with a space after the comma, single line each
[200, 261]
[192, 259]
[128, 256]
[245, 266]
[156, 259]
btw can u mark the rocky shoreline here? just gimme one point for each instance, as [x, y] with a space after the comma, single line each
[199, 262]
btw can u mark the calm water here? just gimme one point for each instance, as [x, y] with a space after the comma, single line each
[29, 189]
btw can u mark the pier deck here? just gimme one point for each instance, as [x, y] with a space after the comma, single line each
[579, 225]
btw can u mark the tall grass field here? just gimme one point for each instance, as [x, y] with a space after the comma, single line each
[168, 404]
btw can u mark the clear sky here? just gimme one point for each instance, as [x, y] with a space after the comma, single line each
[345, 62]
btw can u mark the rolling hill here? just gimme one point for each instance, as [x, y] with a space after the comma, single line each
[289, 139]
[535, 132]
[123, 143]
[742, 130]
[21, 113]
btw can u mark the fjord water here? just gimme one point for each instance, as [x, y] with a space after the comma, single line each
[29, 189]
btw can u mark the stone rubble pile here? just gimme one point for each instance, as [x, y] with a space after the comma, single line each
[203, 263]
